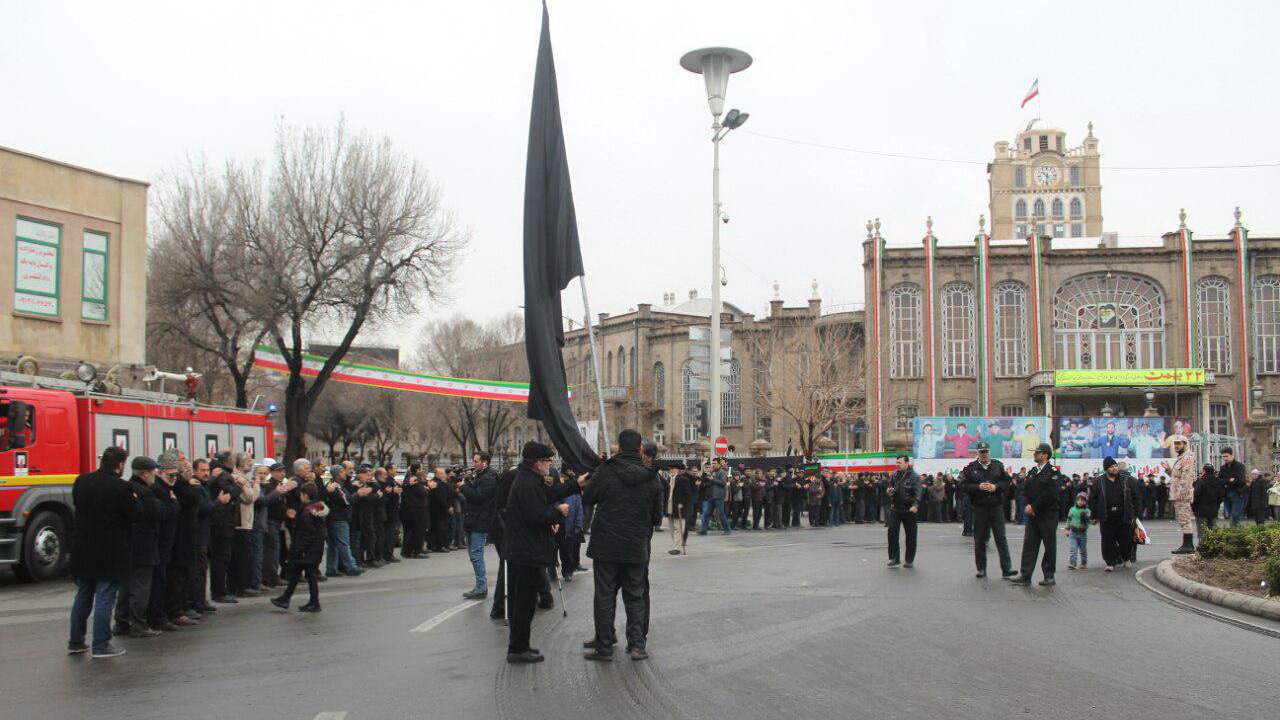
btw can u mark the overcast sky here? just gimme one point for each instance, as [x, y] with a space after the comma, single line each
[131, 87]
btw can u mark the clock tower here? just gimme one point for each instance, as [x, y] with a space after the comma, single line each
[1040, 182]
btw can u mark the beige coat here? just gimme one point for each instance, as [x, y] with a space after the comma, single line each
[1182, 477]
[248, 495]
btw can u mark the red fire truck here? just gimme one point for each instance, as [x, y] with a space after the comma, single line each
[48, 436]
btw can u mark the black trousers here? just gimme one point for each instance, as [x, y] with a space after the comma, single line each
[630, 578]
[293, 572]
[198, 584]
[908, 522]
[220, 561]
[757, 512]
[390, 532]
[415, 532]
[156, 614]
[1117, 539]
[523, 585]
[1040, 530]
[242, 560]
[797, 502]
[134, 596]
[370, 540]
[176, 592]
[989, 521]
[271, 554]
[438, 535]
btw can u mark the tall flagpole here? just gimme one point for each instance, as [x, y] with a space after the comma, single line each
[603, 437]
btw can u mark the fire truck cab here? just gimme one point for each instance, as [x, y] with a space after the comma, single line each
[49, 436]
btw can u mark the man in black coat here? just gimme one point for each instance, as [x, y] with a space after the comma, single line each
[480, 490]
[166, 535]
[904, 495]
[496, 534]
[986, 483]
[1235, 483]
[1041, 496]
[1114, 505]
[529, 551]
[413, 514]
[179, 596]
[105, 512]
[628, 503]
[144, 552]
[684, 501]
[224, 491]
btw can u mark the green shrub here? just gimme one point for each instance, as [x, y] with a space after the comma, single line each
[1272, 571]
[1241, 542]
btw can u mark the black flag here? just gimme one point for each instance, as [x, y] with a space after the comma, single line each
[551, 259]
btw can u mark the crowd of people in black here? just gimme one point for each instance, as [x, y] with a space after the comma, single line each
[166, 547]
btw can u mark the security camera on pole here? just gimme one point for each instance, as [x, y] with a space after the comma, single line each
[716, 64]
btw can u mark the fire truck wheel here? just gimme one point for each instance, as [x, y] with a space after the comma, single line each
[44, 548]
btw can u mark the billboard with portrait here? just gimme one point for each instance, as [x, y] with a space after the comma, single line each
[1142, 442]
[947, 444]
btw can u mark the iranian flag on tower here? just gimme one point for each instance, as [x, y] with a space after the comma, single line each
[1034, 91]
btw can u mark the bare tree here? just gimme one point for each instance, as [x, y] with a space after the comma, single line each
[348, 232]
[815, 378]
[198, 276]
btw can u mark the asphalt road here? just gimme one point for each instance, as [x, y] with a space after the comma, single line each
[799, 624]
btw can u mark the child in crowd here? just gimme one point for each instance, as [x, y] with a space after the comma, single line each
[306, 526]
[1078, 531]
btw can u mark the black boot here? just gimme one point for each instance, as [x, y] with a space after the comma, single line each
[1187, 547]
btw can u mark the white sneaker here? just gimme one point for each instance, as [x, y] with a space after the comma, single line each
[109, 651]
[1128, 564]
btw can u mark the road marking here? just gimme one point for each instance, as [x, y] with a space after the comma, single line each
[430, 624]
[334, 715]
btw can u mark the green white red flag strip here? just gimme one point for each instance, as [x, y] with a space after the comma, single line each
[1242, 260]
[1184, 237]
[1035, 299]
[984, 323]
[929, 244]
[1034, 91]
[388, 379]
[859, 462]
[877, 262]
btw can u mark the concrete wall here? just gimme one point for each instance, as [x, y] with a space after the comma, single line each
[76, 200]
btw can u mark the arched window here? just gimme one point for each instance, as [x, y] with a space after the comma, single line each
[1213, 322]
[904, 331]
[1057, 207]
[1108, 321]
[731, 398]
[1077, 209]
[622, 366]
[632, 380]
[1266, 322]
[608, 368]
[1009, 316]
[689, 397]
[659, 385]
[957, 330]
[1038, 208]
[1020, 209]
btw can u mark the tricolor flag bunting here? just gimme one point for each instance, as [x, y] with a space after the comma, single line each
[386, 378]
[859, 462]
[1034, 91]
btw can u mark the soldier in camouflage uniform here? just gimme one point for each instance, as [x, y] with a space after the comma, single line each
[1182, 476]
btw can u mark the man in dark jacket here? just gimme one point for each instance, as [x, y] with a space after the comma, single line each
[198, 596]
[527, 538]
[480, 490]
[903, 509]
[166, 534]
[413, 514]
[1235, 483]
[179, 596]
[986, 482]
[500, 605]
[1114, 505]
[226, 494]
[1041, 497]
[144, 552]
[628, 503]
[684, 499]
[106, 511]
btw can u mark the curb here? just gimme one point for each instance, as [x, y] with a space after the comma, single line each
[1260, 607]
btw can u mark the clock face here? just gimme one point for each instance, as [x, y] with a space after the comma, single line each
[1047, 175]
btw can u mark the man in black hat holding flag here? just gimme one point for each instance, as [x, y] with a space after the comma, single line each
[986, 482]
[1041, 496]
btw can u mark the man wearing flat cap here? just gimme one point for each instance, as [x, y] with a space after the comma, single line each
[1041, 528]
[144, 552]
[529, 519]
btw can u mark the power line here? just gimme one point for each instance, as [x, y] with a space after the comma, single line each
[955, 161]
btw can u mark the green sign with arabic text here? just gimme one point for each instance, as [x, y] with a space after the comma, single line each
[1160, 377]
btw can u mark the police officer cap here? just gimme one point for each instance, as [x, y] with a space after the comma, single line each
[142, 463]
[984, 445]
[536, 451]
[1044, 448]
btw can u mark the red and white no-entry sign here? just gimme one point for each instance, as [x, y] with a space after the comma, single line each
[722, 446]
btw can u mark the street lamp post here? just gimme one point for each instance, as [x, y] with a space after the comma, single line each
[715, 65]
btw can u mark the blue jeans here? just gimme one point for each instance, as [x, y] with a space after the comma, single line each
[255, 551]
[339, 542]
[1080, 547]
[98, 597]
[475, 550]
[1235, 508]
[715, 505]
